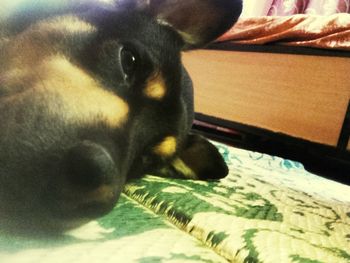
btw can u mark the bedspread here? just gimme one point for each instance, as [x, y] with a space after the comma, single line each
[267, 209]
[327, 32]
[254, 8]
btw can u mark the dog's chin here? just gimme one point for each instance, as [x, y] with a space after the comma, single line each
[73, 216]
[54, 218]
[38, 227]
[45, 226]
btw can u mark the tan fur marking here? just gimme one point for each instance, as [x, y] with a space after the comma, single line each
[155, 88]
[167, 147]
[102, 194]
[44, 39]
[182, 168]
[77, 96]
[68, 25]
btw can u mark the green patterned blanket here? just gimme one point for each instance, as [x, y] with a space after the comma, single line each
[267, 210]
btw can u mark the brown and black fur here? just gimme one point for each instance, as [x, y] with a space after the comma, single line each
[94, 94]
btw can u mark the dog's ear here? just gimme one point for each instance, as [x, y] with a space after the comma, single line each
[197, 21]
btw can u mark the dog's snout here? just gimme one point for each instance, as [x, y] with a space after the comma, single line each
[89, 166]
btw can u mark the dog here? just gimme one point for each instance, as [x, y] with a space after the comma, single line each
[92, 94]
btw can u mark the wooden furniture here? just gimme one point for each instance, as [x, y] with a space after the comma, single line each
[303, 96]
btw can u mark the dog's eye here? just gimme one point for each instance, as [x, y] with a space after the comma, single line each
[129, 62]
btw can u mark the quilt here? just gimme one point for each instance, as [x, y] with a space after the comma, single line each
[268, 209]
[323, 24]
[324, 32]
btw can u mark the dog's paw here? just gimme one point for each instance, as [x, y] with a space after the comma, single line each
[200, 160]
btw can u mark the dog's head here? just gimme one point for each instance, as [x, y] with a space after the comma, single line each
[93, 93]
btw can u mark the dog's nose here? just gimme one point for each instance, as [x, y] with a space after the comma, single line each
[92, 182]
[89, 166]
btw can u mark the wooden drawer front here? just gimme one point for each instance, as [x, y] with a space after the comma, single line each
[299, 95]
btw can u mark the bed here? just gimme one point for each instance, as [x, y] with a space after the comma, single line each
[269, 208]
